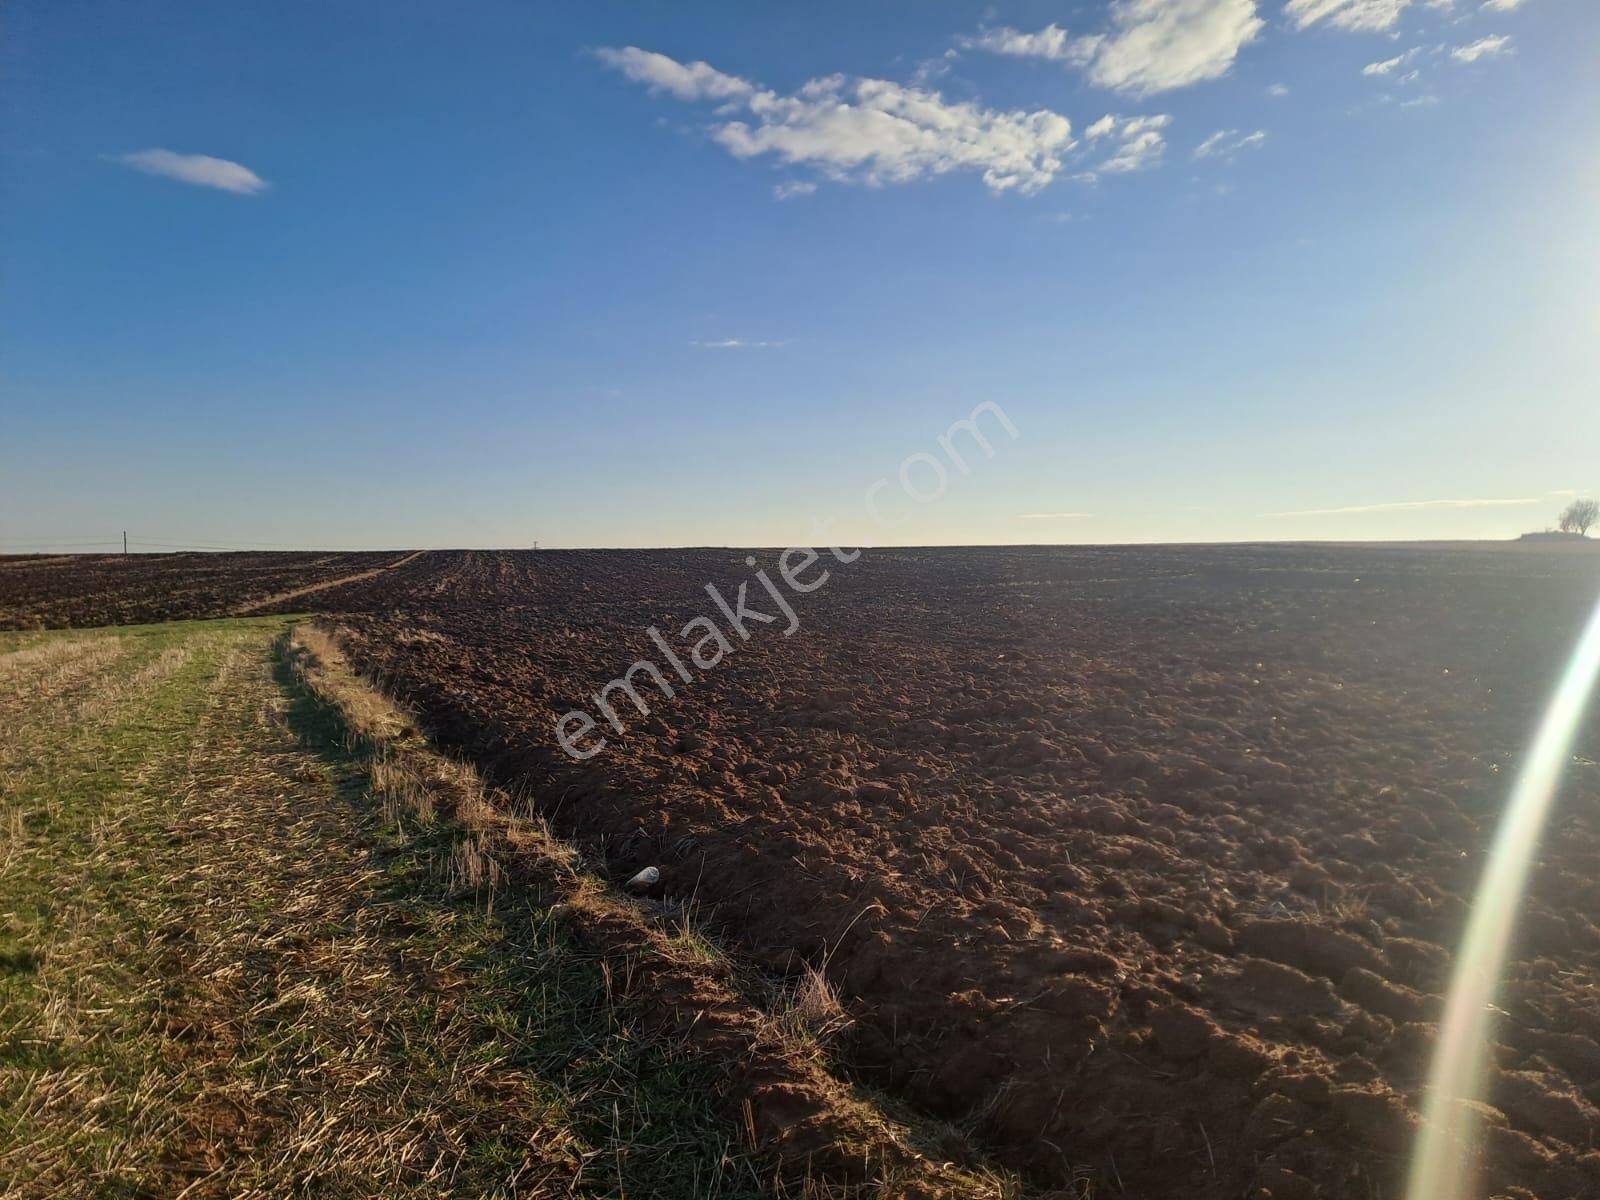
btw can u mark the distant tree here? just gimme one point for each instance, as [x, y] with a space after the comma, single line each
[1578, 516]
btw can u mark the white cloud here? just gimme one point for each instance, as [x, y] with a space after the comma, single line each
[932, 69]
[1278, 89]
[1151, 46]
[1145, 150]
[735, 344]
[1503, 5]
[686, 81]
[792, 188]
[199, 169]
[1390, 65]
[1226, 144]
[1163, 44]
[1140, 143]
[1484, 47]
[1346, 14]
[866, 131]
[1051, 42]
[1406, 506]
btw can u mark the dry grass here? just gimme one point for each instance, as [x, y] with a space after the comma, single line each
[259, 940]
[725, 1027]
[808, 1010]
[82, 1089]
[38, 659]
[223, 977]
[39, 682]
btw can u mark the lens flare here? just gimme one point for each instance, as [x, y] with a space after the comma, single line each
[1441, 1168]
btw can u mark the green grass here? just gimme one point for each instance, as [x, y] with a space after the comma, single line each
[86, 780]
[641, 1107]
[224, 967]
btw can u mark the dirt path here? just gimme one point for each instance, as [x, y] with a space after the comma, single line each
[255, 606]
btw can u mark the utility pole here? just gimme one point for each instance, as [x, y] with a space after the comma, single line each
[124, 543]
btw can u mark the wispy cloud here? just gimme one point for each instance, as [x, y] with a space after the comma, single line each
[1150, 46]
[1503, 5]
[1406, 506]
[1225, 144]
[1355, 15]
[1278, 90]
[736, 344]
[789, 189]
[1052, 42]
[686, 81]
[1136, 143]
[199, 169]
[1484, 47]
[1057, 516]
[1390, 65]
[930, 70]
[868, 131]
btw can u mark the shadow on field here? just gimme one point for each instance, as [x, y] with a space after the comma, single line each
[643, 1108]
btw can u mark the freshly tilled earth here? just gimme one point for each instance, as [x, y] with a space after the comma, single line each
[1144, 866]
[57, 591]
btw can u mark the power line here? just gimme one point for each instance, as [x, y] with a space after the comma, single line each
[133, 541]
[171, 542]
[62, 542]
[168, 542]
[56, 548]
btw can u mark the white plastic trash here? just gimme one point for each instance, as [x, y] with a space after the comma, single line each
[648, 877]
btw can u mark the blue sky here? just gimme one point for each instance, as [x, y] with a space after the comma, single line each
[409, 274]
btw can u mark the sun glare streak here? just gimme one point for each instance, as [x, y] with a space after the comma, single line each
[1441, 1168]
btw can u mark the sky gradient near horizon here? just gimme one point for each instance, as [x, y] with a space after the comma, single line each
[410, 274]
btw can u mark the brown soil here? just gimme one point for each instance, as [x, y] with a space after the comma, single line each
[114, 589]
[822, 1139]
[1145, 864]
[279, 600]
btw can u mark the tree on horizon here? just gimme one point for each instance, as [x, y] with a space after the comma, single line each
[1578, 516]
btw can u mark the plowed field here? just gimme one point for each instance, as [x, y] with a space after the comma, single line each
[1143, 866]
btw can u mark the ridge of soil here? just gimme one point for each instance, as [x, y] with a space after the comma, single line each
[1143, 866]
